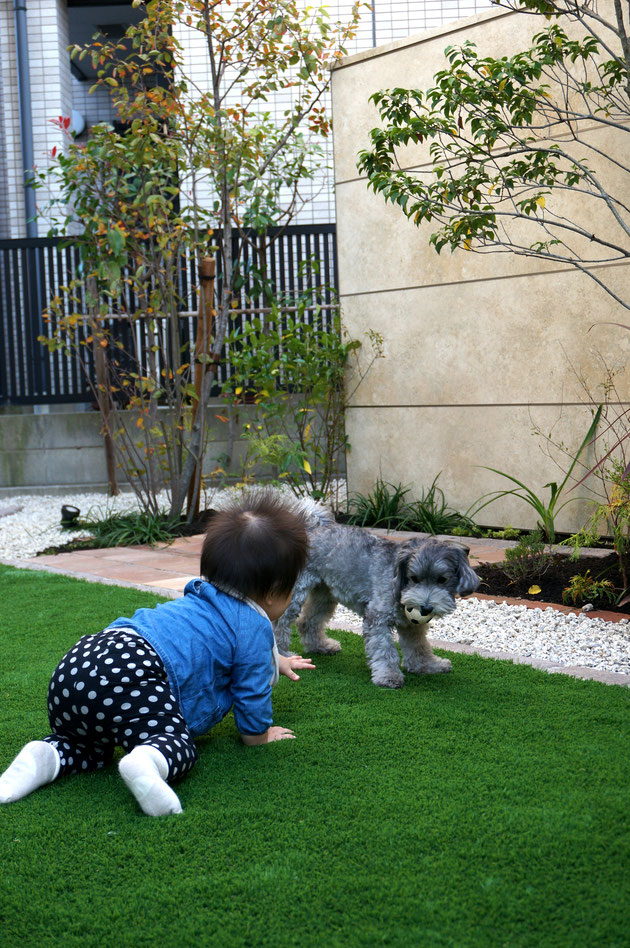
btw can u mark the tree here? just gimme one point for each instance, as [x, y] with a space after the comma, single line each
[511, 144]
[203, 167]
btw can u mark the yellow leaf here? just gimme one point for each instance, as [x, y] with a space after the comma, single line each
[534, 590]
[307, 467]
[540, 201]
[307, 431]
[237, 391]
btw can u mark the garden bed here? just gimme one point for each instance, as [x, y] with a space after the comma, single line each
[553, 582]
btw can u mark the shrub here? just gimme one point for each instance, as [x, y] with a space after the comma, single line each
[528, 560]
[585, 588]
[299, 373]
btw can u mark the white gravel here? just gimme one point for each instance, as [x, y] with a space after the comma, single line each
[30, 523]
[35, 523]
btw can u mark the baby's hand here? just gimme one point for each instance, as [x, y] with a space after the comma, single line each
[269, 736]
[287, 663]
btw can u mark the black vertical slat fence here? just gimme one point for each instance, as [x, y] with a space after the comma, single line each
[33, 271]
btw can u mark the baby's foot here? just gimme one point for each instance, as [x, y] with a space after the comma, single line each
[37, 764]
[145, 770]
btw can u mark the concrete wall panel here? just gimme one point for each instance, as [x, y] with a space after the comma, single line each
[480, 348]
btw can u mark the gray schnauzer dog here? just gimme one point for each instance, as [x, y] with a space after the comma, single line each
[394, 586]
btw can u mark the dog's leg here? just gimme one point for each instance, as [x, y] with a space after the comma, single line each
[317, 610]
[417, 654]
[282, 628]
[382, 654]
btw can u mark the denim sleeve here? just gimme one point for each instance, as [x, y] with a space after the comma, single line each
[251, 694]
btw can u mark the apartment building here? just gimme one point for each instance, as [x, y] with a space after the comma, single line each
[38, 82]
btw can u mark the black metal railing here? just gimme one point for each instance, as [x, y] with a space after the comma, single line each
[34, 271]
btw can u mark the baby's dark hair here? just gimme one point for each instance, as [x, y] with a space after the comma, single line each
[257, 546]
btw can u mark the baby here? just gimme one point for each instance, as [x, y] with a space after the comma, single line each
[151, 683]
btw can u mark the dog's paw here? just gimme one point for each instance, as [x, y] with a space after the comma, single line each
[432, 666]
[323, 646]
[391, 679]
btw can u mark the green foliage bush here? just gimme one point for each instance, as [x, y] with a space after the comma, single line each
[587, 588]
[298, 372]
[528, 560]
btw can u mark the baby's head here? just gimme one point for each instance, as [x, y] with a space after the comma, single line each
[256, 546]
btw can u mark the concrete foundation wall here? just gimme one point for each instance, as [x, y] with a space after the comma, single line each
[65, 448]
[479, 349]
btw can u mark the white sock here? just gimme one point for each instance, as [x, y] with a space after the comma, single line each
[37, 764]
[145, 770]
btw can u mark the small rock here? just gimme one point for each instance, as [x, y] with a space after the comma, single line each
[589, 607]
[12, 509]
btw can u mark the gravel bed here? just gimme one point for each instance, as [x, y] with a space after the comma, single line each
[30, 523]
[540, 634]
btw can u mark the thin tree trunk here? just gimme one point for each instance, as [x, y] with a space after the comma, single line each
[207, 270]
[103, 390]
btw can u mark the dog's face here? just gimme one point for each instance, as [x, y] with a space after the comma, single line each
[428, 576]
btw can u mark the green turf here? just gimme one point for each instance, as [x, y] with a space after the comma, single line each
[485, 807]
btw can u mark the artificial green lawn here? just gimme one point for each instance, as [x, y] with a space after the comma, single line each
[485, 807]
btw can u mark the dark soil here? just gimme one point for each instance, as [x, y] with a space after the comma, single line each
[495, 582]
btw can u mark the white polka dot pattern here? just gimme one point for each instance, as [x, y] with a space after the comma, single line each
[130, 703]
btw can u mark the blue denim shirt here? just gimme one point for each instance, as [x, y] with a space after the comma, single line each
[218, 652]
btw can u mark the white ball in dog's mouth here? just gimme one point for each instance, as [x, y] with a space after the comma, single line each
[414, 615]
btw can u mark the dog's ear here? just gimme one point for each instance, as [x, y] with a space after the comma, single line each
[400, 569]
[467, 579]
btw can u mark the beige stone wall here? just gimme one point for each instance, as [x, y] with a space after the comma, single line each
[479, 350]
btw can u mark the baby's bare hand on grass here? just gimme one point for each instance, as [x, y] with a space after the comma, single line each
[279, 734]
[287, 664]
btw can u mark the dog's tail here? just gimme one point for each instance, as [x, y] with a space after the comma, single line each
[310, 511]
[314, 513]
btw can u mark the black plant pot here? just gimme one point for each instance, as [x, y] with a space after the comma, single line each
[69, 514]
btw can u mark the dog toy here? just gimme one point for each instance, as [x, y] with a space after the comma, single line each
[413, 614]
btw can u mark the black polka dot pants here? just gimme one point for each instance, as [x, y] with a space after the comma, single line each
[112, 690]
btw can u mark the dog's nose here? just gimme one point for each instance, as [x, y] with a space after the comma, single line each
[425, 610]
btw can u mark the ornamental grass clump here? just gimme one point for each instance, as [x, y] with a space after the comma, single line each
[387, 506]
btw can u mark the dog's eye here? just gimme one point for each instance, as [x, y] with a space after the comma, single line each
[441, 580]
